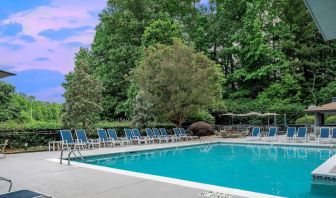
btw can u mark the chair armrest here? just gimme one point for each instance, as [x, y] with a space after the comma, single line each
[94, 140]
[7, 180]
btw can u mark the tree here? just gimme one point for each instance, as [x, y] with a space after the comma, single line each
[142, 114]
[117, 45]
[82, 94]
[6, 95]
[177, 81]
[161, 32]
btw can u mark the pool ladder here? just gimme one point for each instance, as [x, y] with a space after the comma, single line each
[333, 147]
[69, 155]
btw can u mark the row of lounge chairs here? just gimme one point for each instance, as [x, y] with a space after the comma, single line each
[327, 134]
[110, 137]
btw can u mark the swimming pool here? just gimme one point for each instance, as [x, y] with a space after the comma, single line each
[276, 170]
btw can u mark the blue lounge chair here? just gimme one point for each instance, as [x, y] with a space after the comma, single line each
[324, 135]
[68, 141]
[255, 135]
[333, 135]
[112, 133]
[103, 138]
[290, 134]
[165, 135]
[129, 135]
[272, 134]
[151, 137]
[301, 134]
[157, 134]
[137, 136]
[183, 132]
[82, 138]
[178, 135]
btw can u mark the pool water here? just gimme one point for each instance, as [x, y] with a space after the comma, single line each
[276, 170]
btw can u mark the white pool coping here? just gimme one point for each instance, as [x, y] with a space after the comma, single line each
[197, 185]
[185, 183]
[326, 168]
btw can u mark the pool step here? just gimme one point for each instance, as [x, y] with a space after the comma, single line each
[326, 173]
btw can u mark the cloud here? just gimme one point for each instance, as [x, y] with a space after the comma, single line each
[9, 7]
[6, 67]
[9, 46]
[41, 59]
[63, 33]
[54, 94]
[74, 44]
[44, 84]
[26, 38]
[58, 28]
[11, 29]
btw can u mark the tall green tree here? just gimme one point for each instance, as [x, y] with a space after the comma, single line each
[82, 94]
[161, 32]
[313, 60]
[117, 45]
[6, 95]
[177, 81]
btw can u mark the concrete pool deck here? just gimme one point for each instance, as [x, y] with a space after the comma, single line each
[33, 171]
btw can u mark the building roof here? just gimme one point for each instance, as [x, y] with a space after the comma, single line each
[4, 74]
[330, 107]
[324, 14]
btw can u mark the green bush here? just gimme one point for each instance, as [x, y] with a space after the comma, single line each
[201, 129]
[106, 124]
[331, 120]
[204, 116]
[309, 119]
[12, 126]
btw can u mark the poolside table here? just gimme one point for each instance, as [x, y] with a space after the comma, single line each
[55, 145]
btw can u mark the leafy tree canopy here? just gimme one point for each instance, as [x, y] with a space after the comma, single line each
[177, 81]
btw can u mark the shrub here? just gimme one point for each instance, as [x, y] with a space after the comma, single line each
[309, 119]
[201, 129]
[12, 126]
[331, 120]
[204, 116]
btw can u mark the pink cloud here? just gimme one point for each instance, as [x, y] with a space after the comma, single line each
[60, 14]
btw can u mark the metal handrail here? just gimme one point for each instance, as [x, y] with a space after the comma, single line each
[333, 147]
[69, 155]
[7, 180]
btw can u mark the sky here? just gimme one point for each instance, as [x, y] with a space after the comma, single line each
[39, 39]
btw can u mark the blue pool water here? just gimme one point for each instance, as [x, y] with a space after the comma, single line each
[276, 170]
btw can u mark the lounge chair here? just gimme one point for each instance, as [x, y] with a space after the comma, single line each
[151, 137]
[157, 133]
[290, 134]
[164, 134]
[255, 134]
[129, 135]
[21, 193]
[3, 148]
[301, 134]
[82, 138]
[333, 135]
[68, 141]
[103, 138]
[137, 136]
[178, 135]
[112, 133]
[184, 133]
[324, 135]
[272, 134]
